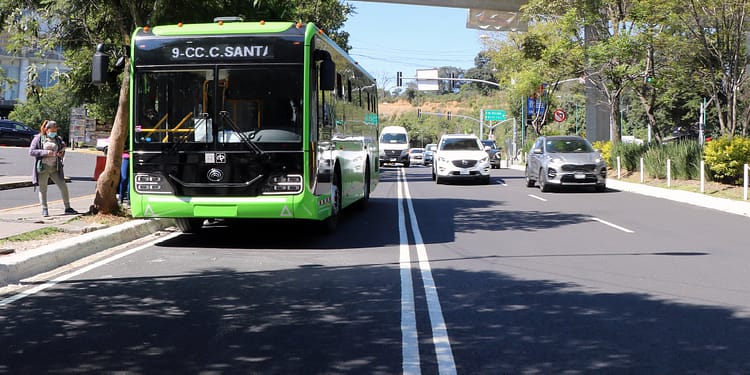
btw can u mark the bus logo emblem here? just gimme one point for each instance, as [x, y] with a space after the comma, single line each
[221, 157]
[215, 175]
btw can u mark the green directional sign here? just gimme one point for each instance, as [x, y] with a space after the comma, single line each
[494, 115]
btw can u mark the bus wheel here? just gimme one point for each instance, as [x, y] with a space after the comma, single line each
[191, 225]
[362, 203]
[330, 224]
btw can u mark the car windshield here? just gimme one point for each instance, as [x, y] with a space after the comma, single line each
[569, 146]
[489, 143]
[462, 144]
[393, 138]
[416, 151]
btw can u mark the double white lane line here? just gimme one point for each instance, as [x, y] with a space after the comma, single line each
[409, 336]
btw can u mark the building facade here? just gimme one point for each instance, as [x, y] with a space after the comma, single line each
[24, 70]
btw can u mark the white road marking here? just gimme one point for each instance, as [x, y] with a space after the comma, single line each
[409, 340]
[53, 282]
[626, 230]
[440, 339]
[539, 198]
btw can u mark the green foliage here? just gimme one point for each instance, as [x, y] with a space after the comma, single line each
[655, 162]
[726, 158]
[686, 158]
[630, 155]
[54, 103]
[606, 149]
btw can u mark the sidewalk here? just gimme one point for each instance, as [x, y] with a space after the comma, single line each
[83, 240]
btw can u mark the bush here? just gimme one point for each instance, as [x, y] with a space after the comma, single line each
[606, 149]
[630, 155]
[686, 159]
[725, 158]
[655, 162]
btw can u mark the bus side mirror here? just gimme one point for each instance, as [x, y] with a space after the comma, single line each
[100, 66]
[327, 75]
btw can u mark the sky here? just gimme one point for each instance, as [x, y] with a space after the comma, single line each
[389, 38]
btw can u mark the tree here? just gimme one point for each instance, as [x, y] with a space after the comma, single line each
[54, 103]
[718, 27]
[82, 24]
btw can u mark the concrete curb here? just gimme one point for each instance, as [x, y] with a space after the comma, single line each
[17, 267]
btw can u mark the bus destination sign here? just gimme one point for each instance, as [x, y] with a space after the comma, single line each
[158, 51]
[242, 51]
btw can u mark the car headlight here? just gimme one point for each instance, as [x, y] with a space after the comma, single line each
[555, 160]
[598, 160]
[442, 159]
[484, 159]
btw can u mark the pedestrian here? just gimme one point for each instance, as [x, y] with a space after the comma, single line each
[123, 188]
[48, 149]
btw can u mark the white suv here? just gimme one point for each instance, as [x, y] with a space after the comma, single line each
[460, 156]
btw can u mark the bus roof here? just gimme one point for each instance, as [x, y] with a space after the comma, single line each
[216, 28]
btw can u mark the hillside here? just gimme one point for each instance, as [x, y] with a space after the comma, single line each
[388, 110]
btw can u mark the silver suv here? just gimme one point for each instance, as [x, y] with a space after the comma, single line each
[565, 160]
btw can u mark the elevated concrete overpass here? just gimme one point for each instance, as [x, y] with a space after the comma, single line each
[501, 5]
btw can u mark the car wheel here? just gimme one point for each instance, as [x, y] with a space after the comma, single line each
[600, 188]
[433, 174]
[485, 180]
[543, 185]
[530, 182]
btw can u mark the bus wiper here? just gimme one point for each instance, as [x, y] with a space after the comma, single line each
[225, 116]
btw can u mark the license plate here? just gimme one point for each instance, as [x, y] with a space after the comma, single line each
[580, 176]
[464, 171]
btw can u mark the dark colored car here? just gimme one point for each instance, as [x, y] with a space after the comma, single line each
[493, 152]
[14, 133]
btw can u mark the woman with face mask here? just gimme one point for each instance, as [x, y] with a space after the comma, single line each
[48, 150]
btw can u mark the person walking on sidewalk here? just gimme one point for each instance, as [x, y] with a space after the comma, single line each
[48, 150]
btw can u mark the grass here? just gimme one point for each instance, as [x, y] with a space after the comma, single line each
[33, 235]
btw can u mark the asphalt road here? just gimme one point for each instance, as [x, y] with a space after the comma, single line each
[79, 166]
[458, 278]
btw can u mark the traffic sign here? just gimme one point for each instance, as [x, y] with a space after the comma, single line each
[560, 115]
[494, 115]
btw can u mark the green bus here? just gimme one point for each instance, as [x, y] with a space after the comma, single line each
[255, 120]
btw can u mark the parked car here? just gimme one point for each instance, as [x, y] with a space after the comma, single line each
[565, 161]
[14, 133]
[493, 152]
[416, 156]
[460, 156]
[429, 151]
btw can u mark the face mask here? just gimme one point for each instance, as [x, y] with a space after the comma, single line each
[52, 134]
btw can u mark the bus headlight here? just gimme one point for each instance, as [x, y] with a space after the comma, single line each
[151, 183]
[283, 184]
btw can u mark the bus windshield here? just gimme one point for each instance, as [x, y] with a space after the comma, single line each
[228, 105]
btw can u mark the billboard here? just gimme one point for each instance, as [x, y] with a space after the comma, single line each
[427, 80]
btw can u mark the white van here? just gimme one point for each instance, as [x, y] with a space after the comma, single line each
[394, 146]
